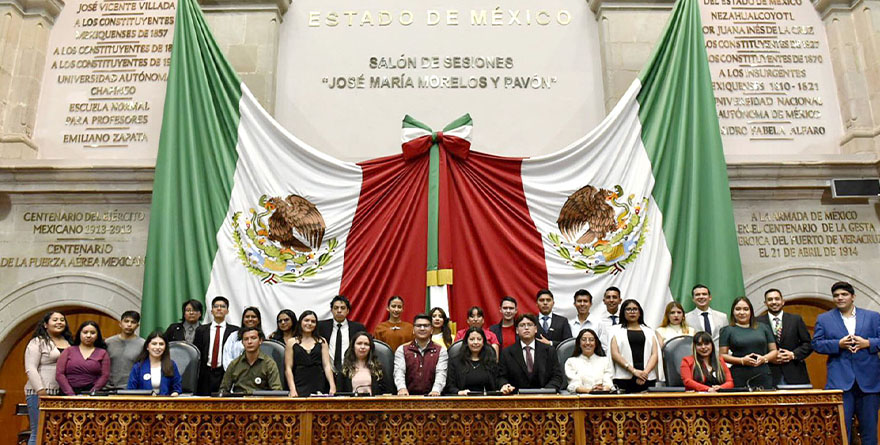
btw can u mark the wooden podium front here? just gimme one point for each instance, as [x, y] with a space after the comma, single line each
[796, 417]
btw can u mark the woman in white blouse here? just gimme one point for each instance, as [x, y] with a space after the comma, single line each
[588, 369]
[634, 350]
[673, 324]
[51, 336]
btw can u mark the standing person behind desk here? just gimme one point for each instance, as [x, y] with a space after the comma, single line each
[505, 330]
[124, 350]
[552, 328]
[253, 370]
[475, 319]
[703, 317]
[154, 370]
[850, 337]
[85, 366]
[285, 324]
[232, 346]
[583, 302]
[185, 329]
[209, 340]
[51, 337]
[307, 364]
[748, 346]
[528, 363]
[361, 371]
[792, 341]
[673, 324]
[609, 316]
[475, 368]
[339, 330]
[588, 369]
[704, 371]
[420, 365]
[395, 331]
[441, 333]
[634, 350]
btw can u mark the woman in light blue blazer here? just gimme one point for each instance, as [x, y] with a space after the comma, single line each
[154, 369]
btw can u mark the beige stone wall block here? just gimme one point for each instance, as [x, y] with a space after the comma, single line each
[262, 29]
[243, 58]
[227, 26]
[10, 39]
[259, 86]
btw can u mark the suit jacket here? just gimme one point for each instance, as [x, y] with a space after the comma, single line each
[137, 379]
[202, 341]
[796, 339]
[845, 368]
[718, 319]
[558, 330]
[496, 329]
[326, 327]
[512, 367]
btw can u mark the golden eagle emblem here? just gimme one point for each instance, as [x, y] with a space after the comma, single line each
[601, 232]
[283, 239]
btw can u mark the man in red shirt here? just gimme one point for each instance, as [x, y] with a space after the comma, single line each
[505, 330]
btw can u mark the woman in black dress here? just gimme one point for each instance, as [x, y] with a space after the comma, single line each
[475, 368]
[307, 360]
[748, 346]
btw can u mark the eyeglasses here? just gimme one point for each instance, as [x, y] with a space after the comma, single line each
[219, 306]
[192, 311]
[632, 309]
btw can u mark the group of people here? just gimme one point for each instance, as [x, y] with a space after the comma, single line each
[614, 349]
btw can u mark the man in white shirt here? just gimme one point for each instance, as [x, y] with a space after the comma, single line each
[704, 318]
[209, 339]
[329, 330]
[792, 341]
[609, 317]
[529, 363]
[583, 302]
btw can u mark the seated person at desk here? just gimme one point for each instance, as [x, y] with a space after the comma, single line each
[420, 365]
[253, 370]
[589, 369]
[528, 364]
[475, 368]
[154, 370]
[705, 371]
[85, 366]
[361, 371]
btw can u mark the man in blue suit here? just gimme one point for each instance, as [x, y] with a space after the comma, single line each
[850, 337]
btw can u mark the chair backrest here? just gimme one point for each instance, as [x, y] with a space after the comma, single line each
[186, 357]
[676, 348]
[275, 349]
[454, 350]
[563, 353]
[386, 357]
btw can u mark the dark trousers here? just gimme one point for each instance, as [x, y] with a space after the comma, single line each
[209, 380]
[629, 386]
[864, 406]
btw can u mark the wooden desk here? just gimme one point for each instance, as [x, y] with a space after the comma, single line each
[797, 417]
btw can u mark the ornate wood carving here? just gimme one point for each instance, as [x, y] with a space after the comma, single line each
[802, 417]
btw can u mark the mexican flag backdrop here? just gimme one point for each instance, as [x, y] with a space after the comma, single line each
[244, 209]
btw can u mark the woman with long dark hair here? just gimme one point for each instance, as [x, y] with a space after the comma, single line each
[51, 337]
[285, 324]
[475, 369]
[634, 350]
[154, 369]
[85, 366]
[233, 348]
[588, 369]
[307, 365]
[361, 371]
[440, 331]
[748, 346]
[705, 370]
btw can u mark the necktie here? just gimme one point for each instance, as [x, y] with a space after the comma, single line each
[544, 323]
[778, 322]
[215, 350]
[337, 353]
[530, 363]
[706, 326]
[613, 320]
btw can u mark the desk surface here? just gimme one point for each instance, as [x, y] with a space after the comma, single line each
[769, 417]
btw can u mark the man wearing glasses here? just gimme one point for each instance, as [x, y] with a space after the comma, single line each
[209, 339]
[529, 363]
[420, 365]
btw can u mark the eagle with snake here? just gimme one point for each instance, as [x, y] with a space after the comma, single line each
[296, 213]
[588, 207]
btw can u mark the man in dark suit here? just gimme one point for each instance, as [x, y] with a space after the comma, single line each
[552, 328]
[339, 331]
[528, 363]
[792, 341]
[850, 337]
[209, 339]
[185, 329]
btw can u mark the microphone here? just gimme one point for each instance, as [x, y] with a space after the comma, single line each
[358, 393]
[749, 382]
